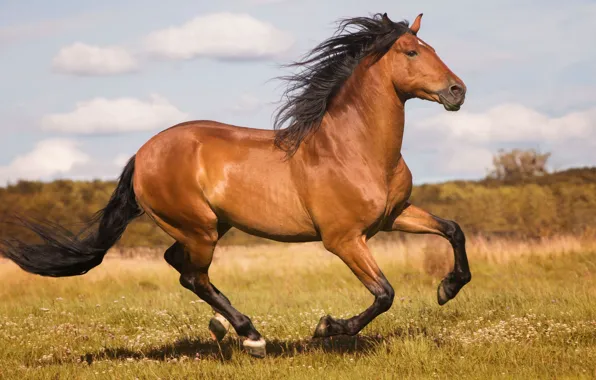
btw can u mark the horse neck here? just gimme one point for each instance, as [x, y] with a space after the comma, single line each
[365, 120]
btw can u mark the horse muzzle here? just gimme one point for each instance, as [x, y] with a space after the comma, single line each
[453, 96]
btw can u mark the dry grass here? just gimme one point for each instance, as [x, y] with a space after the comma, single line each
[418, 252]
[529, 312]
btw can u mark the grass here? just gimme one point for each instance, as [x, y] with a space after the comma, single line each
[529, 312]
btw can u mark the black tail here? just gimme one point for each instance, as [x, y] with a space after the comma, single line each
[63, 254]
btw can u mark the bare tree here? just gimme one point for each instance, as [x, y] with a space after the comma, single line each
[519, 164]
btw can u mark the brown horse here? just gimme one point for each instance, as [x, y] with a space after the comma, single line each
[335, 174]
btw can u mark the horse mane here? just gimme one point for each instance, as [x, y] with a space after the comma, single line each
[325, 69]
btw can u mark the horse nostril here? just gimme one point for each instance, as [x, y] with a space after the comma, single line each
[456, 90]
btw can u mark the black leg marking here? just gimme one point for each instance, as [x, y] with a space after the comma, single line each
[198, 282]
[460, 276]
[384, 294]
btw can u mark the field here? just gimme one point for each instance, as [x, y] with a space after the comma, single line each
[529, 312]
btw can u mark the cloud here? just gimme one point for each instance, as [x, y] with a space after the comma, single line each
[463, 143]
[469, 161]
[224, 36]
[101, 115]
[57, 158]
[83, 59]
[98, 169]
[512, 123]
[48, 159]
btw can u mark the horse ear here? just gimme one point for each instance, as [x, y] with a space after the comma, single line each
[386, 19]
[416, 25]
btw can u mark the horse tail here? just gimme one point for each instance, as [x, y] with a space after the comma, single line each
[62, 253]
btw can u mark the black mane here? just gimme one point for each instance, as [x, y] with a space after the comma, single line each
[324, 71]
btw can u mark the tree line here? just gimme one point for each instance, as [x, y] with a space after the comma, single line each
[529, 202]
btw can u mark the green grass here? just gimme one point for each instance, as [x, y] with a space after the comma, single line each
[526, 314]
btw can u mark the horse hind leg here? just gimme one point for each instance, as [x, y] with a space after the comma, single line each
[192, 261]
[218, 325]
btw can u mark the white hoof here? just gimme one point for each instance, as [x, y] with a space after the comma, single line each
[218, 327]
[256, 348]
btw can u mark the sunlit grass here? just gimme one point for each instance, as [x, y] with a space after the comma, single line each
[529, 312]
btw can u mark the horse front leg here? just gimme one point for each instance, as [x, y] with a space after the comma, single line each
[355, 253]
[415, 220]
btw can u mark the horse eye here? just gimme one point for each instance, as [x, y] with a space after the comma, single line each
[412, 53]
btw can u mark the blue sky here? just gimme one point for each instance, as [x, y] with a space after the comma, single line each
[84, 84]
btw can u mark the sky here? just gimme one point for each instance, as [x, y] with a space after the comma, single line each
[84, 84]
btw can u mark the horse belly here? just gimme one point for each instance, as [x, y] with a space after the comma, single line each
[258, 198]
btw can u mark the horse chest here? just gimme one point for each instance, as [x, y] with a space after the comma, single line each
[398, 187]
[398, 190]
[375, 203]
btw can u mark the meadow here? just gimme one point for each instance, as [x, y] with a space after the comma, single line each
[529, 312]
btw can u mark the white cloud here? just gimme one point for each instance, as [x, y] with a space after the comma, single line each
[513, 123]
[228, 36]
[101, 115]
[470, 160]
[96, 168]
[464, 142]
[49, 158]
[82, 59]
[61, 158]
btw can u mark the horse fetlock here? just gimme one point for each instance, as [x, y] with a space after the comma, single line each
[464, 278]
[245, 328]
[386, 300]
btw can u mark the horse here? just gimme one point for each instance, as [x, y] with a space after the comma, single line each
[330, 170]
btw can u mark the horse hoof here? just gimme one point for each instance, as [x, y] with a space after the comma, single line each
[321, 329]
[328, 327]
[450, 286]
[255, 348]
[442, 297]
[218, 327]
